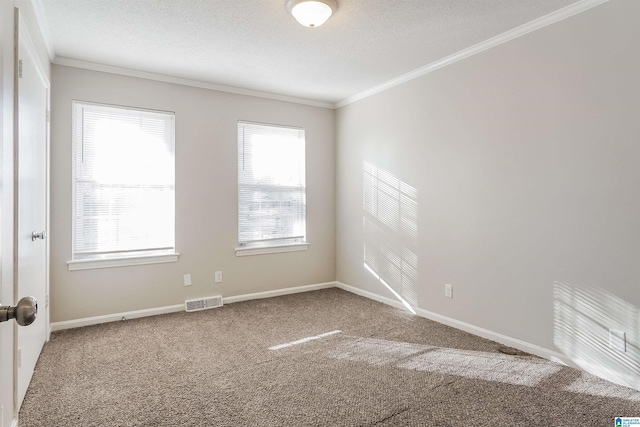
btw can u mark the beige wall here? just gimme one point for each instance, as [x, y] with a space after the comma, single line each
[524, 159]
[206, 198]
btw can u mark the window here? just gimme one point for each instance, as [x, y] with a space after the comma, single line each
[123, 186]
[271, 189]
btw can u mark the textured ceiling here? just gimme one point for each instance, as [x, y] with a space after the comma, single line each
[256, 44]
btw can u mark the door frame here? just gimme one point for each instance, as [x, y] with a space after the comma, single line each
[22, 31]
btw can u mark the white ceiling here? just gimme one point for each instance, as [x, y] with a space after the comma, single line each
[257, 45]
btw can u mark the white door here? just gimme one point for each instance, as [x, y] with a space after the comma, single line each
[6, 288]
[32, 184]
[4, 346]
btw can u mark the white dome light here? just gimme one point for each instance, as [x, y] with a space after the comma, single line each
[311, 13]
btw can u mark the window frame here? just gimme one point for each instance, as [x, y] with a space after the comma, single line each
[277, 245]
[115, 259]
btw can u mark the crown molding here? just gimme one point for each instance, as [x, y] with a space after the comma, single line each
[38, 10]
[68, 62]
[520, 31]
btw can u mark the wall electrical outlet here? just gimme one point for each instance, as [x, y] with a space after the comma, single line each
[218, 277]
[187, 279]
[617, 340]
[448, 291]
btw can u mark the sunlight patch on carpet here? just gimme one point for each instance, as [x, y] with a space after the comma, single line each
[376, 352]
[449, 361]
[303, 340]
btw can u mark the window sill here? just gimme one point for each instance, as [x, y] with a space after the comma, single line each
[89, 264]
[294, 247]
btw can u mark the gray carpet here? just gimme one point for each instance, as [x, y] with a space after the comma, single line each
[324, 358]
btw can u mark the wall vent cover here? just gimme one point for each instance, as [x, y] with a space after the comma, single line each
[203, 303]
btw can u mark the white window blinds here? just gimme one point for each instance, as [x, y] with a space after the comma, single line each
[271, 185]
[124, 176]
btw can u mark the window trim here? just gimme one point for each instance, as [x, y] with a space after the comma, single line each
[125, 258]
[122, 261]
[274, 249]
[264, 246]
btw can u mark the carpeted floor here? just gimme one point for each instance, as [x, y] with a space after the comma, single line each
[324, 358]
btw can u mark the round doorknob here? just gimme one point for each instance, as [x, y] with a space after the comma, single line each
[25, 311]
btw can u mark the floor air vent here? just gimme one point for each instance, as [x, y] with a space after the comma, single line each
[203, 303]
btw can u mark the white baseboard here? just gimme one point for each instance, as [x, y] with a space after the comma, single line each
[467, 327]
[279, 292]
[87, 321]
[370, 295]
[14, 423]
[96, 320]
[495, 336]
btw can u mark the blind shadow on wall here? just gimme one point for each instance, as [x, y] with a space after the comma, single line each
[390, 221]
[583, 318]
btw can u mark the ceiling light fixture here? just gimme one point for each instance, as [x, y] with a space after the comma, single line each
[311, 13]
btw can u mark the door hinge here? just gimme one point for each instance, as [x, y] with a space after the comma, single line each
[46, 301]
[20, 68]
